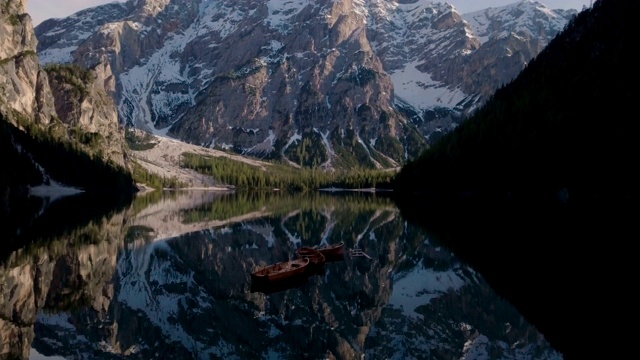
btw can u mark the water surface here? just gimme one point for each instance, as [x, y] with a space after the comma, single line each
[169, 274]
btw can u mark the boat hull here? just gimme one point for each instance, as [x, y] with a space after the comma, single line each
[316, 259]
[333, 252]
[280, 271]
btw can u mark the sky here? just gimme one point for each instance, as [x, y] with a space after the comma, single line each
[43, 9]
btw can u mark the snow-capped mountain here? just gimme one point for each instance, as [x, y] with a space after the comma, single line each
[331, 83]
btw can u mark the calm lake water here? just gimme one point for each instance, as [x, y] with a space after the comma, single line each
[169, 276]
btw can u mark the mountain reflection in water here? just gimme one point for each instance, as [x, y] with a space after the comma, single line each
[171, 275]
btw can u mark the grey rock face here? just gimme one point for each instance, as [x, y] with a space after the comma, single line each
[510, 37]
[318, 83]
[83, 104]
[26, 95]
[23, 87]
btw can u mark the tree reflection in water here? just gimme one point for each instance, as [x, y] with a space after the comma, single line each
[172, 276]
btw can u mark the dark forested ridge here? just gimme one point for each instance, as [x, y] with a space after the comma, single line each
[567, 121]
[33, 154]
[563, 130]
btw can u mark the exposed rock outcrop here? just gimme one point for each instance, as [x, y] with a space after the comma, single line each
[83, 104]
[318, 83]
[24, 88]
[80, 101]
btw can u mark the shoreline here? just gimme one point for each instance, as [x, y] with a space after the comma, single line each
[201, 188]
[370, 190]
[144, 189]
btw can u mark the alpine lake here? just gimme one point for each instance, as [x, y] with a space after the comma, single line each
[168, 276]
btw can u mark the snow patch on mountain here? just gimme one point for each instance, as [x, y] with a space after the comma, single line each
[57, 55]
[140, 82]
[266, 146]
[281, 11]
[418, 89]
[58, 320]
[219, 18]
[147, 276]
[420, 286]
[60, 324]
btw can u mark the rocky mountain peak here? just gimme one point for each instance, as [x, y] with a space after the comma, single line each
[15, 6]
[150, 7]
[525, 18]
[359, 82]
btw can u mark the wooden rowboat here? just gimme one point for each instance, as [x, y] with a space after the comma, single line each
[316, 260]
[281, 270]
[332, 252]
[315, 257]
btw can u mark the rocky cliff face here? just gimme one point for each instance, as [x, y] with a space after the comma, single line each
[318, 83]
[509, 37]
[83, 104]
[24, 87]
[29, 94]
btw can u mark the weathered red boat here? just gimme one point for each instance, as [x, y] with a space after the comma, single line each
[281, 270]
[332, 252]
[316, 259]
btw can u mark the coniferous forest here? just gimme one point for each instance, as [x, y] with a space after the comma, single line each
[30, 156]
[30, 152]
[247, 177]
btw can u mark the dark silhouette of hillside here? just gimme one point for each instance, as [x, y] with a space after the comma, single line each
[537, 190]
[25, 151]
[566, 122]
[28, 158]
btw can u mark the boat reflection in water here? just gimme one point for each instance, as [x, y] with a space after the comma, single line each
[281, 271]
[275, 286]
[288, 274]
[172, 275]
